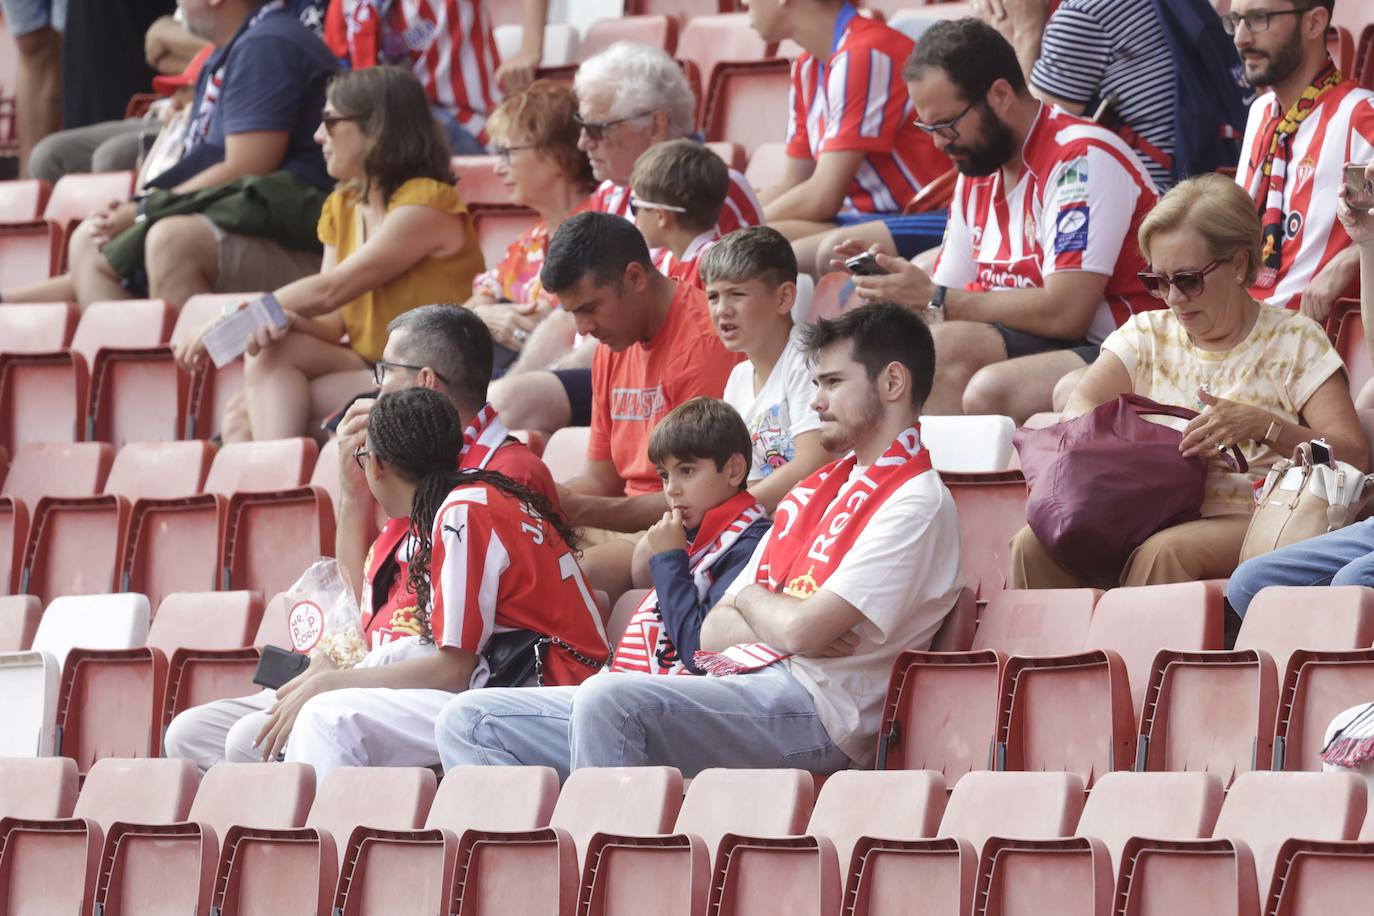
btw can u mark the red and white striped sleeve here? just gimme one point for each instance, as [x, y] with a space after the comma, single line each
[466, 564]
[865, 110]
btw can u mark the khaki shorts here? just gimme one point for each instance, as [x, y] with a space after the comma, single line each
[248, 263]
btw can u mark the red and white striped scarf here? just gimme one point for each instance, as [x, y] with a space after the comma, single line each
[483, 436]
[209, 100]
[814, 529]
[1353, 745]
[645, 647]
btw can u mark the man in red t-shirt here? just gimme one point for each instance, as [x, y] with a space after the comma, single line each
[656, 348]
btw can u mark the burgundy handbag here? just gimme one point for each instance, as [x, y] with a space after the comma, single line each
[1101, 483]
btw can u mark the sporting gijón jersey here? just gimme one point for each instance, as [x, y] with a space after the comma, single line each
[1079, 201]
[496, 565]
[856, 100]
[1340, 131]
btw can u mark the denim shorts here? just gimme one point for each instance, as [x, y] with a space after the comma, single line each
[25, 16]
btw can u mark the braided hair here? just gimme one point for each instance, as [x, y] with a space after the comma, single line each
[418, 433]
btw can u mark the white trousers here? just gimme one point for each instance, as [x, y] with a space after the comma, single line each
[372, 726]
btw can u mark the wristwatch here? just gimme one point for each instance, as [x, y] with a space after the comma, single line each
[937, 298]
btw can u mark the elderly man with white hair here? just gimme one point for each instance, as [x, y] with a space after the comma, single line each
[630, 97]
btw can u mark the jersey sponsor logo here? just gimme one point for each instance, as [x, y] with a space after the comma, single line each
[1071, 230]
[995, 278]
[1292, 224]
[1072, 184]
[636, 403]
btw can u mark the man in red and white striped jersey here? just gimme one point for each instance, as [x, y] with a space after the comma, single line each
[1301, 133]
[1040, 258]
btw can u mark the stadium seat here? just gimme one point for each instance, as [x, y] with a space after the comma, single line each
[658, 31]
[1316, 688]
[683, 10]
[956, 630]
[713, 39]
[1340, 44]
[537, 870]
[498, 227]
[807, 874]
[30, 252]
[1321, 877]
[325, 476]
[560, 42]
[294, 871]
[396, 870]
[478, 183]
[766, 164]
[1173, 805]
[180, 545]
[209, 390]
[37, 787]
[270, 538]
[622, 612]
[969, 445]
[22, 200]
[51, 865]
[888, 873]
[38, 470]
[1350, 343]
[746, 102]
[77, 195]
[941, 707]
[732, 154]
[991, 510]
[1215, 711]
[39, 327]
[19, 615]
[111, 700]
[566, 452]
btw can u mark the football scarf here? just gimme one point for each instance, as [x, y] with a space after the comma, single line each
[1353, 745]
[209, 100]
[483, 436]
[645, 647]
[1274, 171]
[813, 531]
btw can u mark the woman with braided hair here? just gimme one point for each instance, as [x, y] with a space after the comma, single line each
[487, 558]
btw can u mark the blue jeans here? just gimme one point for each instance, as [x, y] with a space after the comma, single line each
[760, 720]
[460, 142]
[1341, 557]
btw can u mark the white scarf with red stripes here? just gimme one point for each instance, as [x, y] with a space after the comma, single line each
[645, 647]
[483, 436]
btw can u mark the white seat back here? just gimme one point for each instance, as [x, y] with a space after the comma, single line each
[92, 622]
[969, 445]
[29, 683]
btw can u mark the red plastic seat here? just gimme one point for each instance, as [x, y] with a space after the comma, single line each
[51, 865]
[111, 701]
[79, 194]
[171, 868]
[656, 31]
[18, 621]
[39, 469]
[1340, 44]
[806, 874]
[209, 390]
[732, 154]
[395, 870]
[766, 165]
[941, 710]
[680, 9]
[498, 227]
[38, 327]
[537, 870]
[712, 39]
[37, 787]
[30, 252]
[22, 200]
[1350, 343]
[1316, 688]
[294, 870]
[566, 452]
[478, 182]
[746, 102]
[1173, 805]
[325, 476]
[957, 629]
[992, 508]
[1321, 877]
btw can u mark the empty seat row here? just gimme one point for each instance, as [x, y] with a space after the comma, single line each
[36, 221]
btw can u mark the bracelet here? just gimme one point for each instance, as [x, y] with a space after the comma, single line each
[1271, 435]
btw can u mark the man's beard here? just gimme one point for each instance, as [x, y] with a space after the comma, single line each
[991, 154]
[846, 434]
[1276, 66]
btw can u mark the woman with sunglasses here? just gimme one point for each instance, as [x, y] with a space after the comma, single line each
[1263, 378]
[396, 235]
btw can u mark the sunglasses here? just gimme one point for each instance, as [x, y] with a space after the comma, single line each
[330, 121]
[636, 205]
[1187, 282]
[596, 131]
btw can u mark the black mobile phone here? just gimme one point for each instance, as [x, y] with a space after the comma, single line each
[864, 265]
[277, 666]
[1321, 453]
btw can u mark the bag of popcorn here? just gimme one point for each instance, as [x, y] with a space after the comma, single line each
[322, 615]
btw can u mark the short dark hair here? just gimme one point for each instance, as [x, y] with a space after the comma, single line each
[972, 53]
[882, 333]
[453, 342]
[755, 252]
[592, 244]
[683, 173]
[702, 429]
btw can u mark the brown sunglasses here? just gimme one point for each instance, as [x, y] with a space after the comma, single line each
[1187, 282]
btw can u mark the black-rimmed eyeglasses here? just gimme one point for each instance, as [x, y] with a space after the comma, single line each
[380, 367]
[946, 130]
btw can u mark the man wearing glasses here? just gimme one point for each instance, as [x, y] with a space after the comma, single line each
[1301, 132]
[1039, 261]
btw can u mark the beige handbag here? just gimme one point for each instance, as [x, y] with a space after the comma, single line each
[1300, 501]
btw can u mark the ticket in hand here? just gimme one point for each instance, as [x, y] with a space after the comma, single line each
[228, 338]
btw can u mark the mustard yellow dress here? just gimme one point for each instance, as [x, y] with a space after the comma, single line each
[447, 279]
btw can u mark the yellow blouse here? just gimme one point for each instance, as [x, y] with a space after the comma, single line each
[446, 279]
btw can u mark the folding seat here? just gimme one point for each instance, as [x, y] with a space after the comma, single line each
[1230, 873]
[622, 612]
[732, 154]
[294, 870]
[991, 510]
[412, 871]
[957, 629]
[208, 390]
[935, 877]
[478, 182]
[76, 544]
[969, 445]
[1317, 687]
[159, 868]
[271, 537]
[1079, 712]
[51, 865]
[1216, 710]
[78, 195]
[766, 164]
[38, 327]
[37, 787]
[1311, 876]
[30, 680]
[746, 102]
[536, 871]
[30, 252]
[22, 200]
[19, 616]
[566, 452]
[111, 700]
[1340, 44]
[941, 709]
[44, 396]
[326, 473]
[806, 874]
[560, 42]
[1350, 343]
[683, 10]
[38, 470]
[712, 39]
[658, 31]
[497, 227]
[180, 545]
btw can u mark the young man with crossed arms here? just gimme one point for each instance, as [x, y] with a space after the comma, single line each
[862, 563]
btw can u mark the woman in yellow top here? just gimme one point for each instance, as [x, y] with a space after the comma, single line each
[396, 236]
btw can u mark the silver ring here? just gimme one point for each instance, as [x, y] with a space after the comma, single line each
[520, 334]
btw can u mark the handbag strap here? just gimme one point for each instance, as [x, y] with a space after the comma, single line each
[1144, 406]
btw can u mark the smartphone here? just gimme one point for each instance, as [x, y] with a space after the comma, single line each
[1358, 189]
[864, 265]
[1322, 454]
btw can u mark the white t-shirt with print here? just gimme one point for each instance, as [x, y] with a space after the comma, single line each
[780, 412]
[903, 575]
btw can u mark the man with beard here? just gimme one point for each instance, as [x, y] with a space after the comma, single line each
[1039, 261]
[1310, 122]
[862, 563]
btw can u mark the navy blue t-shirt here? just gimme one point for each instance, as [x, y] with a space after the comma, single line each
[274, 80]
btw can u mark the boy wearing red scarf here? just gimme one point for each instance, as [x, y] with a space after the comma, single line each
[862, 563]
